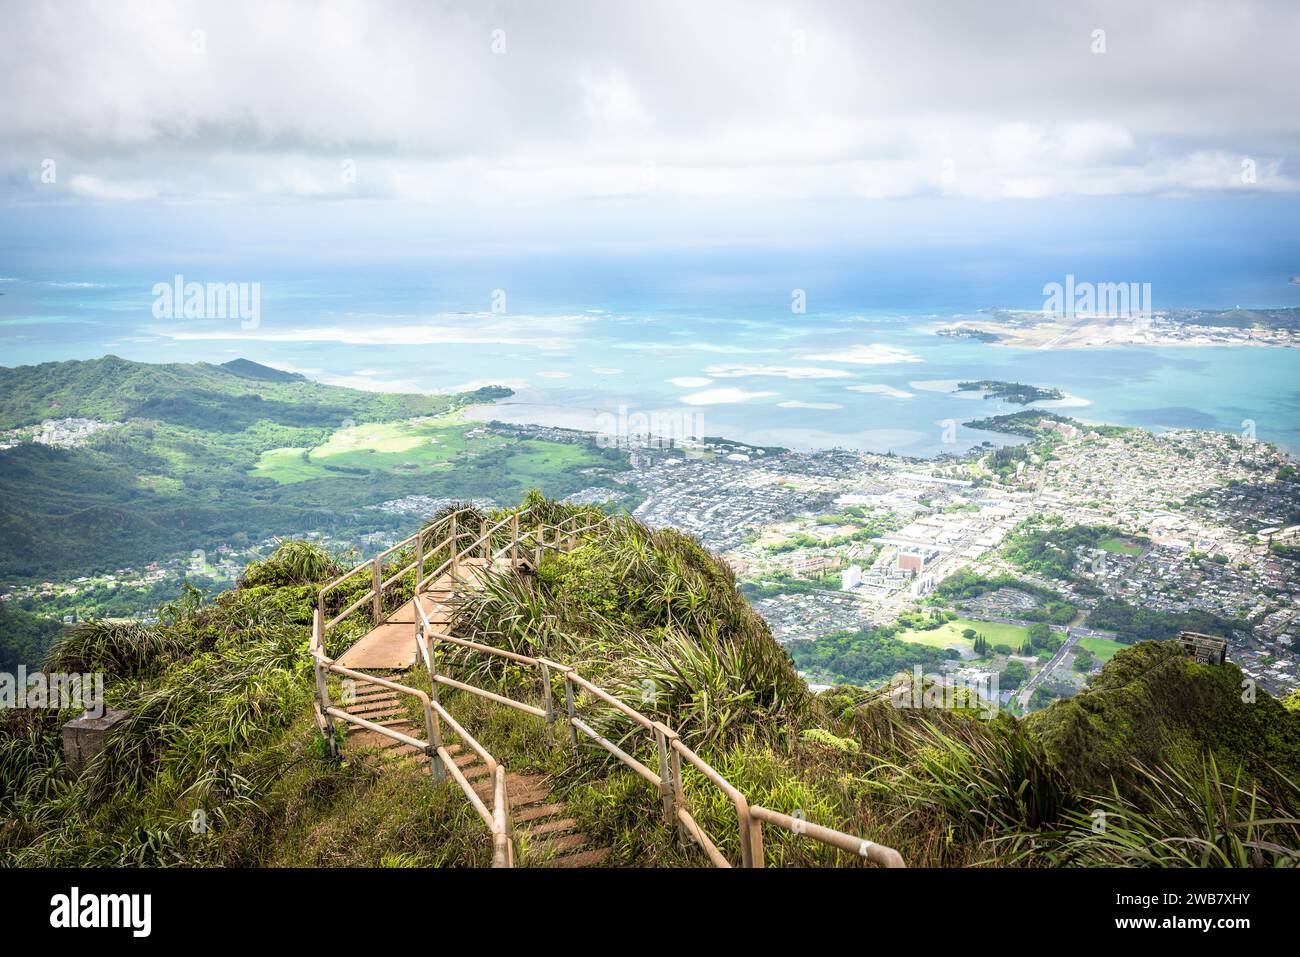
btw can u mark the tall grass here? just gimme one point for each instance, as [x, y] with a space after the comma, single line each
[209, 685]
[1178, 818]
[120, 649]
[293, 562]
[989, 786]
[651, 616]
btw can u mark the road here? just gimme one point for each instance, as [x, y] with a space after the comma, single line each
[1071, 637]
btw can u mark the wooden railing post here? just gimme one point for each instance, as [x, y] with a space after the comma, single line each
[514, 540]
[433, 669]
[568, 703]
[433, 728]
[487, 539]
[746, 824]
[537, 546]
[455, 546]
[323, 703]
[756, 842]
[679, 794]
[666, 790]
[419, 561]
[377, 602]
[548, 699]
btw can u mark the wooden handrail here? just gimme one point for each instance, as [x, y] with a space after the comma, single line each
[672, 749]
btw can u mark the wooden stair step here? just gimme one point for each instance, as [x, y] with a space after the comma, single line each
[387, 647]
[370, 704]
[376, 715]
[381, 718]
[538, 811]
[563, 842]
[386, 723]
[552, 826]
[527, 797]
[524, 791]
[589, 858]
[370, 739]
[371, 697]
[376, 699]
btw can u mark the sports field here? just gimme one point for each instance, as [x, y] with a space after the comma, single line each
[1119, 546]
[949, 634]
[1103, 648]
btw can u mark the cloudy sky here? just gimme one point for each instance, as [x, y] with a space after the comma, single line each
[574, 114]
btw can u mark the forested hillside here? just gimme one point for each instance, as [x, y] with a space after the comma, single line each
[202, 455]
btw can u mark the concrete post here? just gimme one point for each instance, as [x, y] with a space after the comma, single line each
[84, 737]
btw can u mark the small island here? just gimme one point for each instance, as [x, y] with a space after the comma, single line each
[968, 332]
[1016, 392]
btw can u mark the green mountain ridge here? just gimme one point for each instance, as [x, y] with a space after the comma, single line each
[249, 369]
[182, 468]
[1183, 771]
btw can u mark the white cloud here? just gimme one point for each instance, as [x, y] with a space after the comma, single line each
[774, 372]
[618, 100]
[480, 330]
[475, 384]
[875, 354]
[93, 187]
[798, 404]
[723, 396]
[357, 380]
[873, 388]
[690, 381]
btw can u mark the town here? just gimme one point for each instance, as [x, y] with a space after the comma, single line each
[825, 542]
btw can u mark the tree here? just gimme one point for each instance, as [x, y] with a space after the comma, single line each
[1042, 697]
[1083, 659]
[968, 632]
[1013, 675]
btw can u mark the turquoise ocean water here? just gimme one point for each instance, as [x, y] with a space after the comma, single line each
[729, 359]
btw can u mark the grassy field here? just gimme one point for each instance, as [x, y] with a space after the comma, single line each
[413, 446]
[1119, 546]
[949, 635]
[1103, 648]
[535, 460]
[419, 446]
